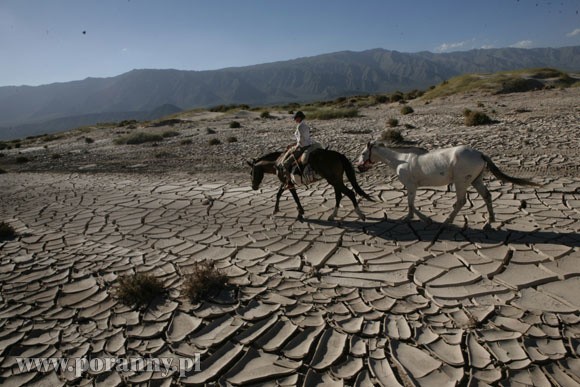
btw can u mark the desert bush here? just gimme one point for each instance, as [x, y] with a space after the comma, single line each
[187, 141]
[210, 131]
[22, 159]
[235, 125]
[138, 138]
[381, 99]
[232, 139]
[393, 122]
[163, 155]
[55, 156]
[330, 114]
[170, 133]
[265, 114]
[89, 140]
[214, 141]
[406, 110]
[3, 146]
[225, 108]
[139, 289]
[6, 231]
[204, 281]
[397, 96]
[2, 171]
[475, 118]
[519, 85]
[392, 135]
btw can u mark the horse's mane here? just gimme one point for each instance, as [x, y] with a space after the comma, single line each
[273, 156]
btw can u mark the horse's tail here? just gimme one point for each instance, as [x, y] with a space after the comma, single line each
[348, 168]
[502, 176]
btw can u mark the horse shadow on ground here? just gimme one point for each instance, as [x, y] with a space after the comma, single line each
[402, 230]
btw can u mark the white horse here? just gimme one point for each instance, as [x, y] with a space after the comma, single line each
[461, 165]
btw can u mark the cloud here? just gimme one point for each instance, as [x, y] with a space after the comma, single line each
[449, 46]
[487, 46]
[522, 44]
[574, 33]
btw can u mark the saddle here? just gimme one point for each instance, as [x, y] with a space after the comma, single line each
[300, 171]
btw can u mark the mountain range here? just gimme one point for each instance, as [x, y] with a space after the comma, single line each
[151, 94]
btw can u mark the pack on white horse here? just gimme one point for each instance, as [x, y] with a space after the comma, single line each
[461, 166]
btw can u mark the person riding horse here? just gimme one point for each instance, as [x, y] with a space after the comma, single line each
[297, 155]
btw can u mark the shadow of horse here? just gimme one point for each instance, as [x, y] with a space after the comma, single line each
[419, 231]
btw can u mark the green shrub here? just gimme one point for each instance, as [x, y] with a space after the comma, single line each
[392, 136]
[381, 99]
[22, 159]
[330, 114]
[520, 85]
[89, 140]
[55, 156]
[232, 139]
[406, 110]
[170, 133]
[214, 141]
[138, 138]
[476, 118]
[397, 96]
[235, 125]
[205, 280]
[210, 131]
[265, 114]
[393, 122]
[139, 289]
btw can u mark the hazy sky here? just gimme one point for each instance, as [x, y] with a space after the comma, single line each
[45, 41]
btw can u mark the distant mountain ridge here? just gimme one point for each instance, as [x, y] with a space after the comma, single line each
[138, 94]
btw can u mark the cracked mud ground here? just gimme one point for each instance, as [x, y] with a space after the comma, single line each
[333, 303]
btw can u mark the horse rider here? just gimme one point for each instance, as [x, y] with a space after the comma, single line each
[297, 151]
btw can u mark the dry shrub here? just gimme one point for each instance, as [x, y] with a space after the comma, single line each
[475, 118]
[392, 136]
[204, 281]
[139, 289]
[6, 231]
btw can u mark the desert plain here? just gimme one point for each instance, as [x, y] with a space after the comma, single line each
[312, 302]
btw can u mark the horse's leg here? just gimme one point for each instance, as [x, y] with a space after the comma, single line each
[484, 193]
[461, 192]
[351, 195]
[411, 193]
[295, 196]
[338, 198]
[278, 195]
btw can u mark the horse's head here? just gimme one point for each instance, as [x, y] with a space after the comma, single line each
[364, 160]
[257, 174]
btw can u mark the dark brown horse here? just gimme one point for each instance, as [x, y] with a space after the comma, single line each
[328, 164]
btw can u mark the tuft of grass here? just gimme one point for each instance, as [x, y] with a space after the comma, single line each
[138, 138]
[235, 125]
[139, 289]
[476, 118]
[55, 156]
[393, 122]
[330, 113]
[210, 131]
[22, 159]
[203, 281]
[232, 139]
[265, 114]
[89, 140]
[392, 136]
[406, 110]
[7, 232]
[214, 141]
[187, 141]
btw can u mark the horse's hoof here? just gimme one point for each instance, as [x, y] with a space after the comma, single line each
[275, 211]
[488, 227]
[331, 218]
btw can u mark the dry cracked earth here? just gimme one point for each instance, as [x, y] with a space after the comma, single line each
[348, 302]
